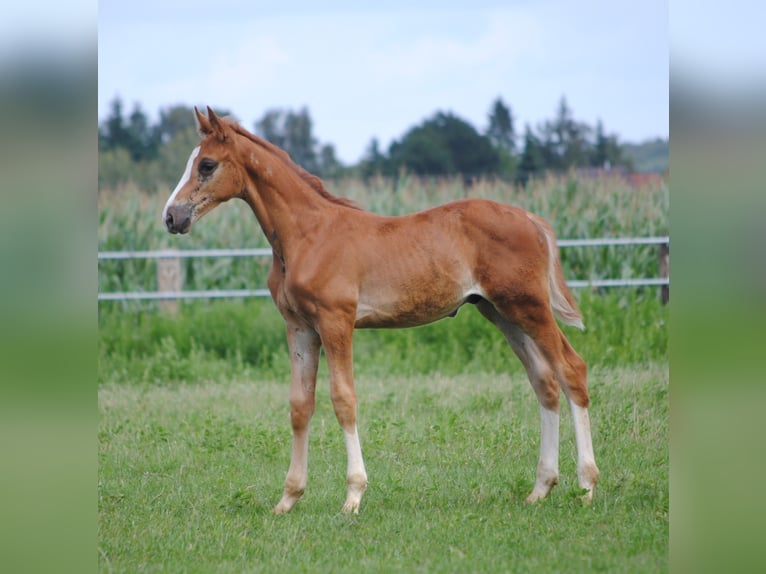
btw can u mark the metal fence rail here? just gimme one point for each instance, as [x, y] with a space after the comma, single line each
[607, 241]
[165, 295]
[266, 252]
[175, 253]
[168, 295]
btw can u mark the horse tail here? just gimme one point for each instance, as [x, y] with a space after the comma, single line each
[563, 302]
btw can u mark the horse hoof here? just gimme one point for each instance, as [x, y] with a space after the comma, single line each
[351, 507]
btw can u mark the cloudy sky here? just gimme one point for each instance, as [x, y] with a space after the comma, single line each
[376, 69]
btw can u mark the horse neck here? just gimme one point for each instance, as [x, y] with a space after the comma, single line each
[284, 203]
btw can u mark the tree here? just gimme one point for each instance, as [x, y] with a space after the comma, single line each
[500, 130]
[301, 144]
[607, 152]
[134, 135]
[565, 141]
[112, 133]
[374, 162]
[293, 133]
[422, 151]
[174, 120]
[503, 136]
[532, 157]
[444, 145]
[143, 140]
[270, 127]
[329, 166]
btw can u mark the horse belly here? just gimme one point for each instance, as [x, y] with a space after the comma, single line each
[410, 308]
[416, 282]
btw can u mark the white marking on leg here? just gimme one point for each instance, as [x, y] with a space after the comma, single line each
[549, 439]
[184, 178]
[299, 463]
[540, 374]
[356, 475]
[354, 449]
[548, 465]
[587, 472]
[297, 475]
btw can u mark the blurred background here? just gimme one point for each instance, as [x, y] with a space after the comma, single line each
[717, 104]
[48, 97]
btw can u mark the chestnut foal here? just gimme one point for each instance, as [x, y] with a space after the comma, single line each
[336, 267]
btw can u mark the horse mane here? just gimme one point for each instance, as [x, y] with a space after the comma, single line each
[313, 181]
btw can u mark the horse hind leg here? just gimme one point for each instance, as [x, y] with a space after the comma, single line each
[549, 358]
[571, 373]
[546, 387]
[574, 381]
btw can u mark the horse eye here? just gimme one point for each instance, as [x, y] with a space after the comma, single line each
[207, 166]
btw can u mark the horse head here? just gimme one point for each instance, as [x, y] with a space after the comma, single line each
[212, 175]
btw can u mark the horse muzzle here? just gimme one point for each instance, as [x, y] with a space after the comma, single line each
[178, 218]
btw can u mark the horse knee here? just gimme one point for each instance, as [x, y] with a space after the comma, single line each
[344, 404]
[301, 412]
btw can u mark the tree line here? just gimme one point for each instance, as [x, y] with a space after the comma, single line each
[131, 148]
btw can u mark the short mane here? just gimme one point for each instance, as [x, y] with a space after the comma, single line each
[313, 181]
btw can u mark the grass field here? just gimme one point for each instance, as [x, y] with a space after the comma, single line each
[188, 474]
[240, 340]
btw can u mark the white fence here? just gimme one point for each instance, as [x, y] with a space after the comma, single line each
[174, 256]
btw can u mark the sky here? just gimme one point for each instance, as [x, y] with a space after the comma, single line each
[377, 69]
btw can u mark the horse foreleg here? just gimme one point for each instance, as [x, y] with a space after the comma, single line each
[356, 476]
[337, 340]
[304, 346]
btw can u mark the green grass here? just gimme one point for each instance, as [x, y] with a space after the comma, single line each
[230, 340]
[188, 474]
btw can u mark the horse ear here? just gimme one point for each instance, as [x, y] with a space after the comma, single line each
[219, 128]
[203, 125]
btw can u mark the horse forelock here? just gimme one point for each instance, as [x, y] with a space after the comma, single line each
[310, 179]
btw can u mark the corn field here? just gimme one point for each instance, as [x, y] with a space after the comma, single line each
[129, 219]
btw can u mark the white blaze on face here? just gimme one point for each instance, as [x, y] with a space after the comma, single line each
[184, 178]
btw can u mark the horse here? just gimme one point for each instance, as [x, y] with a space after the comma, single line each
[337, 267]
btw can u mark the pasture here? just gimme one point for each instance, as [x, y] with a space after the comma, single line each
[194, 432]
[188, 474]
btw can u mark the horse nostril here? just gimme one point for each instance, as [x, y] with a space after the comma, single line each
[170, 223]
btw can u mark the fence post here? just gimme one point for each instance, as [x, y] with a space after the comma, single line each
[169, 280]
[663, 267]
